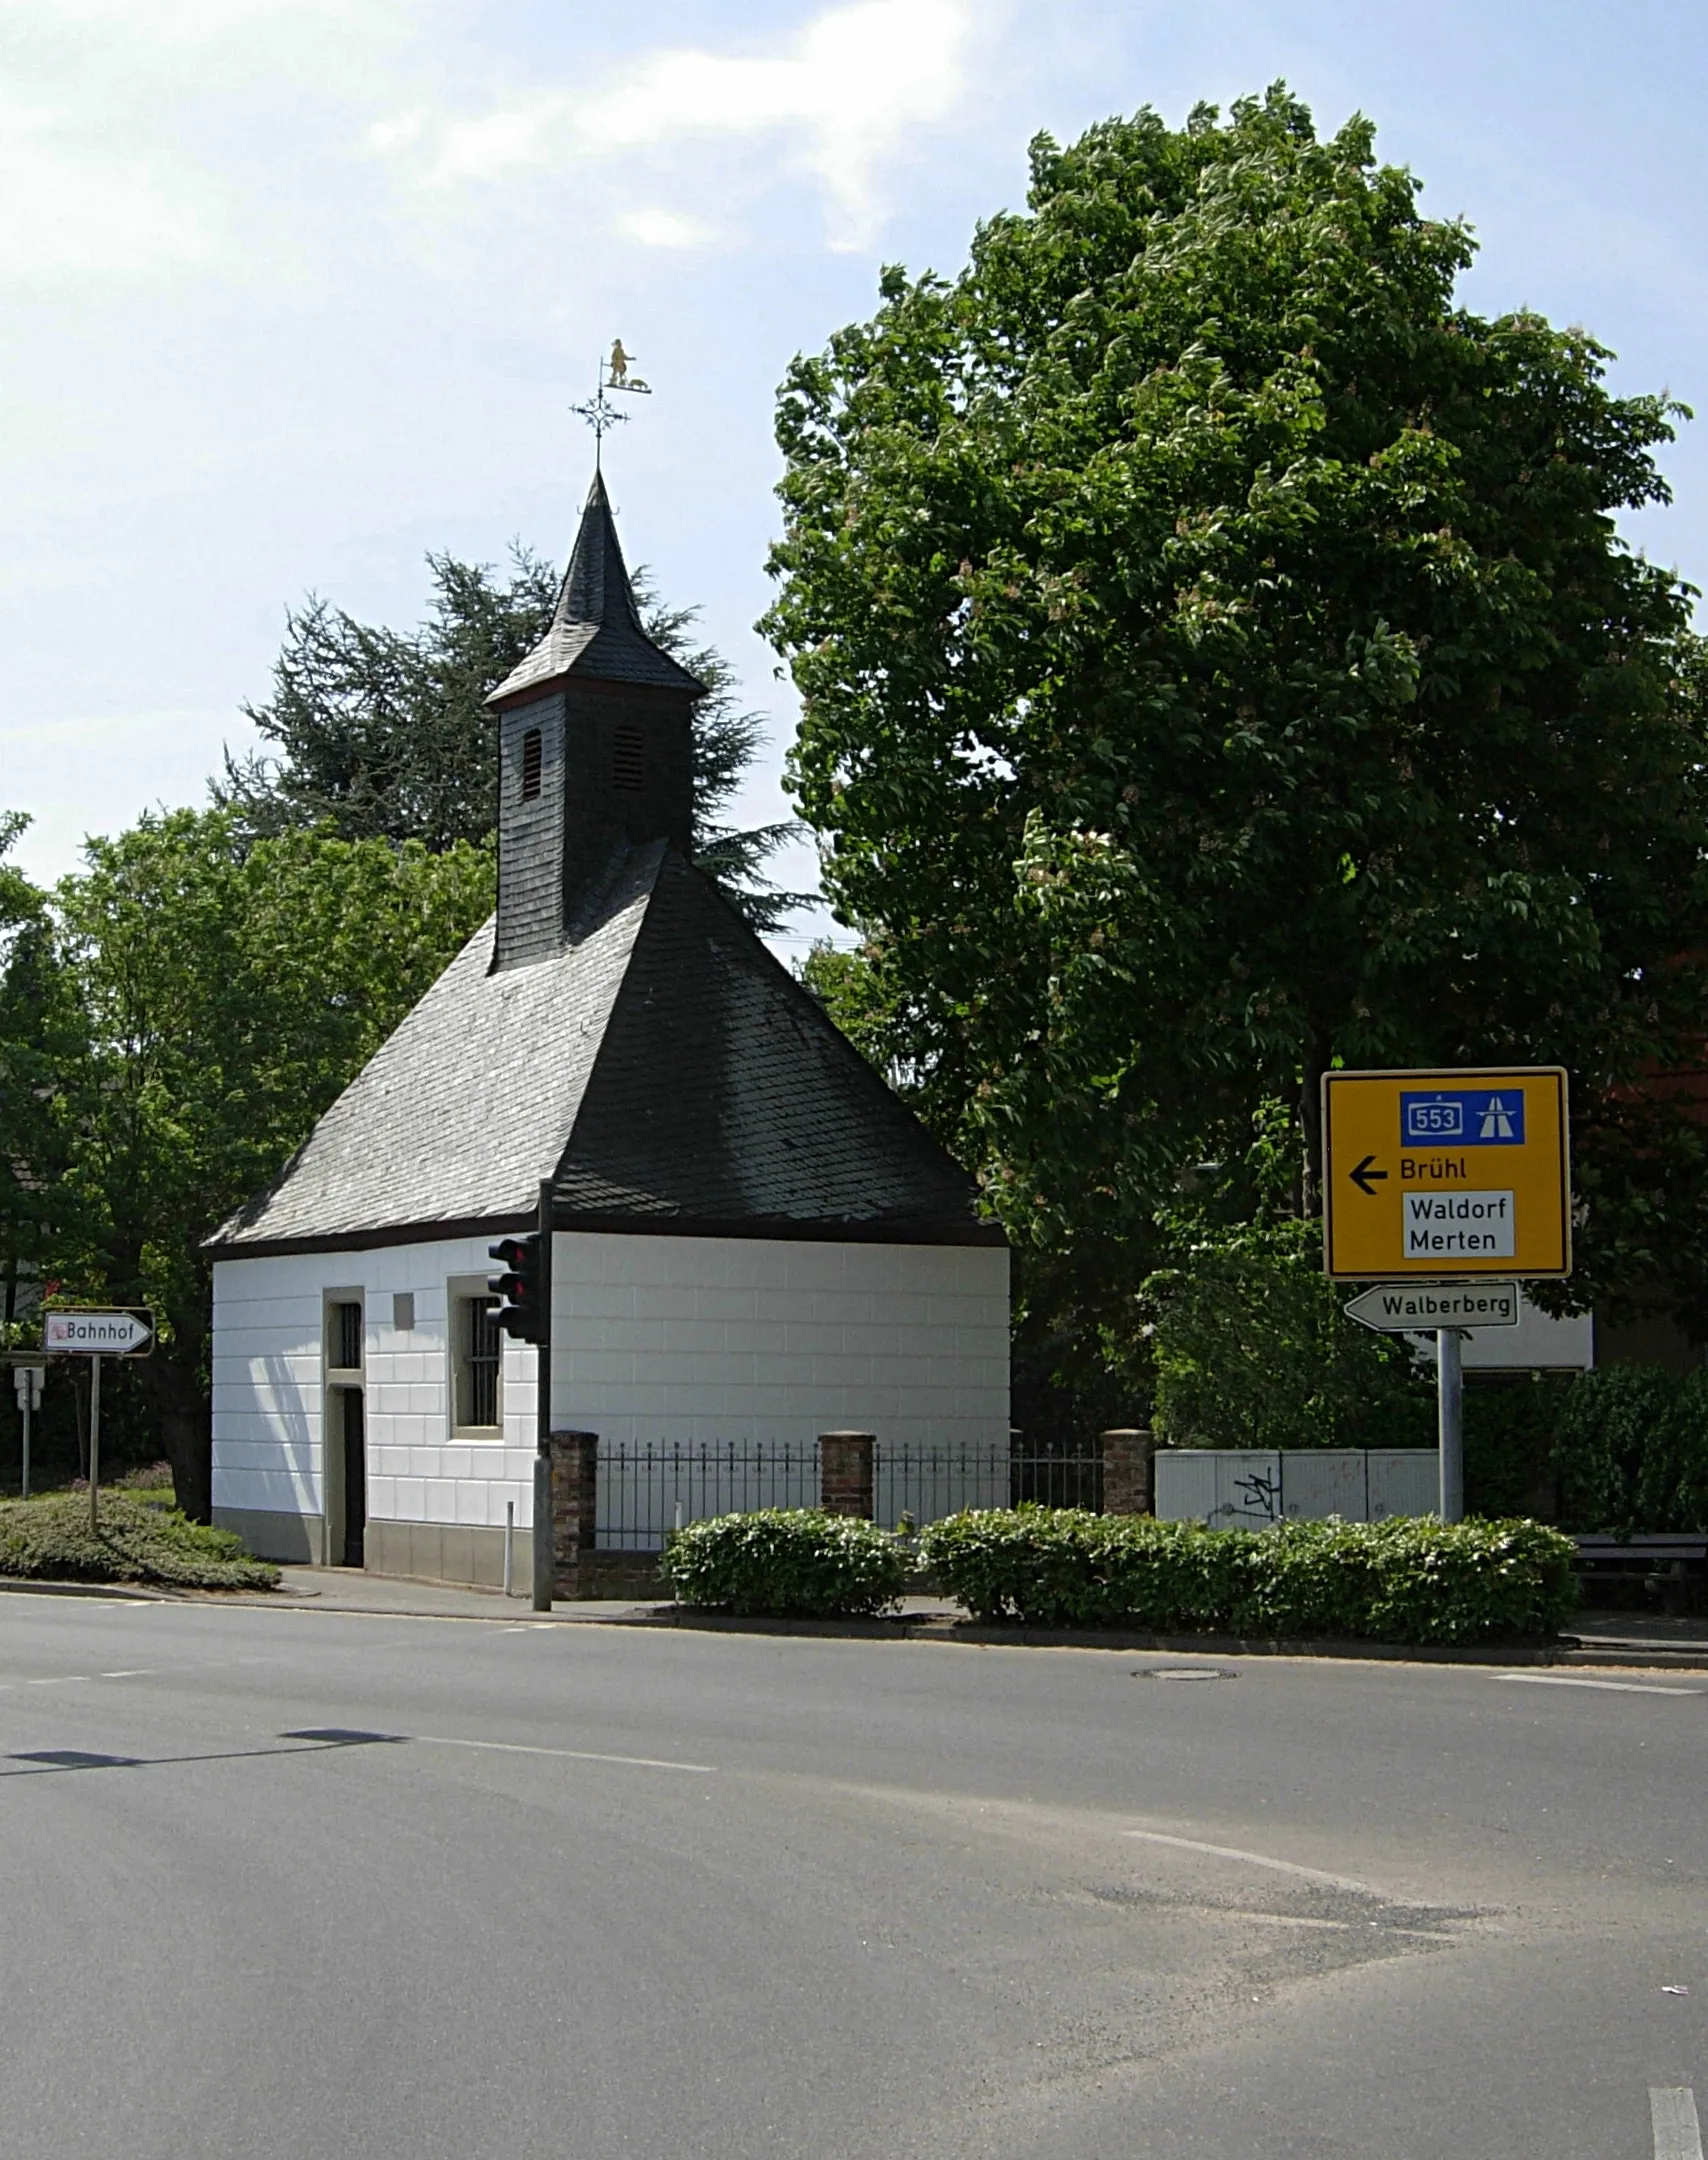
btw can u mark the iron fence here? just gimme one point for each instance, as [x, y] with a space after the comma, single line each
[926, 1483]
[648, 1488]
[1057, 1479]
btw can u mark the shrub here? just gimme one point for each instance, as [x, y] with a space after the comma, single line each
[149, 1477]
[785, 1560]
[1511, 1423]
[1410, 1579]
[137, 1542]
[1631, 1451]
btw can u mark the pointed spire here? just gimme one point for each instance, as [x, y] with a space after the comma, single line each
[596, 627]
[596, 586]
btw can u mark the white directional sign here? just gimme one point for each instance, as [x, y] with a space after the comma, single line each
[1403, 1308]
[87, 1333]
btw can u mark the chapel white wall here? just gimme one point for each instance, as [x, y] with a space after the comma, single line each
[268, 1389]
[771, 1339]
[657, 1338]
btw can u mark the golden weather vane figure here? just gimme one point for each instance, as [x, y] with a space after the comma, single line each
[617, 372]
[612, 374]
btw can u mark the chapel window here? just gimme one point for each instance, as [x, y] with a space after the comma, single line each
[476, 1345]
[344, 1334]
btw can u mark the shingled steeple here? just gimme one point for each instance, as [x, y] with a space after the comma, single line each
[596, 627]
[595, 750]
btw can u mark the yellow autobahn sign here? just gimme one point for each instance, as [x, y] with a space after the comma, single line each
[1446, 1174]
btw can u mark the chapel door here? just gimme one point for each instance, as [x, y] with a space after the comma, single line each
[355, 1476]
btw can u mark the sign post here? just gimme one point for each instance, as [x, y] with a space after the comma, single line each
[1450, 1423]
[95, 1442]
[545, 1543]
[27, 1385]
[1443, 1178]
[85, 1331]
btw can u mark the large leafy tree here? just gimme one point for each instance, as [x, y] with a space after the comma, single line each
[38, 1044]
[381, 733]
[228, 989]
[1218, 660]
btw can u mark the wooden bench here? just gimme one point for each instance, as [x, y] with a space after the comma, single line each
[1668, 1563]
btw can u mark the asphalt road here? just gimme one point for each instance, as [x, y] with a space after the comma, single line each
[308, 1884]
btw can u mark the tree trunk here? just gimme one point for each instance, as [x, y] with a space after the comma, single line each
[1311, 1125]
[173, 1386]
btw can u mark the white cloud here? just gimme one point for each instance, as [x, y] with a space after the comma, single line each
[68, 206]
[666, 229]
[137, 136]
[847, 92]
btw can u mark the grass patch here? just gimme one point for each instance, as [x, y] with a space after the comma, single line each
[138, 1541]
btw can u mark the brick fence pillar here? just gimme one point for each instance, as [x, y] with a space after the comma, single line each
[575, 1504]
[1129, 1465]
[845, 1473]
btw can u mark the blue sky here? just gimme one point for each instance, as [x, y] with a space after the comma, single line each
[292, 291]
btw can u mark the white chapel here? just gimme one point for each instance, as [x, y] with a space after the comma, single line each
[753, 1239]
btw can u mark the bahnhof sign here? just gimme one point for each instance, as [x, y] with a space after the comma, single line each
[84, 1331]
[1446, 1174]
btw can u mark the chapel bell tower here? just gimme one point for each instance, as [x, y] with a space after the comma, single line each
[595, 751]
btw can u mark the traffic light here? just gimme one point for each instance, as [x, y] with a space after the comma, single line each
[520, 1290]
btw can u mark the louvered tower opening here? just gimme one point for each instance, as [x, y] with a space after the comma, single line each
[628, 759]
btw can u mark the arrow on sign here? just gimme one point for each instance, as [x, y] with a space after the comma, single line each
[1364, 1177]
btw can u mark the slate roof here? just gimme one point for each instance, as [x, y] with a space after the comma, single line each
[596, 627]
[664, 1070]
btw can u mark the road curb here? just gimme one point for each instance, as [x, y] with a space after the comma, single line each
[130, 1593]
[1634, 1654]
[1568, 1650]
[932, 1628]
[970, 1635]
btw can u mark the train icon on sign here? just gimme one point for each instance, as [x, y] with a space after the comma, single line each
[1463, 1117]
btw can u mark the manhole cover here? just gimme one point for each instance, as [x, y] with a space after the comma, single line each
[1183, 1672]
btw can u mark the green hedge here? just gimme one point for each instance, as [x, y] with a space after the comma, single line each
[137, 1542]
[795, 1561]
[1408, 1580]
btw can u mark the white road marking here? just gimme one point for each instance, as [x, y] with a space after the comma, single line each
[1672, 2110]
[1613, 1687]
[1252, 1859]
[568, 1754]
[70, 1679]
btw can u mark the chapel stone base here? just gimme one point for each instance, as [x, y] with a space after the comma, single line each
[297, 1540]
[462, 1553]
[446, 1552]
